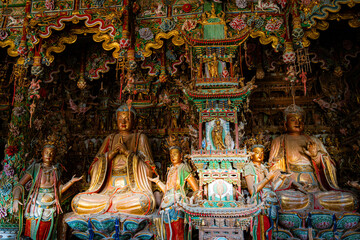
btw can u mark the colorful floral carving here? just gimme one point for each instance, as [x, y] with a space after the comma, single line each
[273, 25]
[167, 25]
[50, 5]
[146, 33]
[9, 171]
[241, 3]
[238, 23]
[187, 8]
[282, 3]
[189, 25]
[124, 43]
[11, 150]
[18, 111]
[289, 54]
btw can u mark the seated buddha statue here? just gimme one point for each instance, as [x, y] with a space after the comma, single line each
[119, 173]
[312, 181]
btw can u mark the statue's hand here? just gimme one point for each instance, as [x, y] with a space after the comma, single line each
[311, 149]
[274, 174]
[120, 147]
[76, 179]
[155, 180]
[354, 184]
[15, 208]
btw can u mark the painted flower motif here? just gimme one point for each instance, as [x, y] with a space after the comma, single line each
[3, 34]
[124, 43]
[98, 3]
[170, 55]
[146, 33]
[18, 97]
[49, 4]
[167, 25]
[6, 189]
[282, 3]
[257, 22]
[9, 171]
[305, 2]
[189, 25]
[38, 124]
[343, 131]
[187, 8]
[238, 23]
[241, 3]
[273, 25]
[11, 150]
[3, 212]
[18, 111]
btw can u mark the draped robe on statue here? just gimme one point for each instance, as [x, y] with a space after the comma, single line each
[120, 185]
[319, 181]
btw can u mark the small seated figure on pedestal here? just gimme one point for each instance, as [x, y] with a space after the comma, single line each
[119, 173]
[313, 173]
[258, 181]
[174, 191]
[42, 206]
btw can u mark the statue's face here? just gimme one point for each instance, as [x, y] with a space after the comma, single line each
[294, 123]
[258, 155]
[217, 122]
[175, 156]
[48, 155]
[124, 121]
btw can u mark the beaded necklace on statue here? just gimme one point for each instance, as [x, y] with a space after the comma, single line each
[48, 172]
[259, 170]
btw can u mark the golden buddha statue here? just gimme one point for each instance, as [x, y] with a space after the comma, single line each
[313, 172]
[119, 173]
[216, 135]
[214, 67]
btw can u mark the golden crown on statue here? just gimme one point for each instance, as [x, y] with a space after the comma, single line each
[172, 142]
[51, 141]
[258, 141]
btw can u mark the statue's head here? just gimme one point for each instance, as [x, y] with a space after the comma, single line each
[49, 149]
[294, 119]
[48, 155]
[217, 122]
[258, 153]
[125, 117]
[176, 155]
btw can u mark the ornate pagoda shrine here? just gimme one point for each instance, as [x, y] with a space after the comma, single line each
[179, 119]
[219, 97]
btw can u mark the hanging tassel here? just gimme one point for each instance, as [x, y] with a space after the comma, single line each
[117, 229]
[91, 231]
[310, 229]
[57, 202]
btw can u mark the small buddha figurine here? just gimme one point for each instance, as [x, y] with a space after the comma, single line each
[119, 173]
[217, 137]
[42, 206]
[313, 173]
[258, 180]
[214, 67]
[174, 190]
